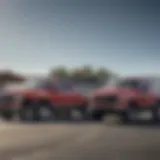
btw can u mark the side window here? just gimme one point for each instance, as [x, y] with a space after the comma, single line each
[49, 86]
[65, 86]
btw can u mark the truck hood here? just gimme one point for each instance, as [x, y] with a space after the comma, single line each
[29, 92]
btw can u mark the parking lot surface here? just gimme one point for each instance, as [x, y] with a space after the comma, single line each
[78, 141]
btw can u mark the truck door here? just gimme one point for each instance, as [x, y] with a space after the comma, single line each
[65, 95]
[145, 96]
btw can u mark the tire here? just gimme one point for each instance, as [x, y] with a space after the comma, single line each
[156, 113]
[129, 116]
[78, 114]
[81, 113]
[45, 112]
[30, 112]
[97, 115]
[7, 116]
[27, 113]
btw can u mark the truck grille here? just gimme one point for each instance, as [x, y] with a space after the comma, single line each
[105, 99]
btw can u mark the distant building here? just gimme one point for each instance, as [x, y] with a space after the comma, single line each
[10, 77]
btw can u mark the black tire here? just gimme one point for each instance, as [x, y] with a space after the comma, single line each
[97, 115]
[156, 113]
[82, 113]
[78, 114]
[45, 112]
[32, 112]
[27, 113]
[129, 115]
[7, 116]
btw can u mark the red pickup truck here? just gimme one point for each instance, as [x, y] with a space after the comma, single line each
[131, 98]
[41, 100]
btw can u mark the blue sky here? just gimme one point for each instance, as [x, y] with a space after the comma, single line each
[36, 35]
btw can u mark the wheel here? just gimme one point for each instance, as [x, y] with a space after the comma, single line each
[97, 115]
[27, 114]
[130, 114]
[7, 116]
[41, 111]
[45, 112]
[156, 113]
[79, 113]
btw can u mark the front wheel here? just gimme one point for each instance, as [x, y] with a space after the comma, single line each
[156, 113]
[97, 115]
[35, 112]
[129, 116]
[27, 113]
[79, 114]
[45, 113]
[7, 115]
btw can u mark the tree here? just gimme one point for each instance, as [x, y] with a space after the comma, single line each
[76, 73]
[84, 73]
[102, 74]
[59, 71]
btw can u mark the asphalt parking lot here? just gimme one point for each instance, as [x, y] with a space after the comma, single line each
[77, 141]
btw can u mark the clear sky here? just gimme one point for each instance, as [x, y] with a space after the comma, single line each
[123, 36]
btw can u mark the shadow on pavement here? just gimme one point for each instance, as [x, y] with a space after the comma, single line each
[85, 122]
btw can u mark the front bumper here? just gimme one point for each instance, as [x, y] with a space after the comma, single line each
[105, 105]
[105, 109]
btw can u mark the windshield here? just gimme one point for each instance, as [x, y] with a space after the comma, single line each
[62, 85]
[65, 85]
[36, 84]
[128, 83]
[112, 83]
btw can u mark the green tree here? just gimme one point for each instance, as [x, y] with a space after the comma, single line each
[76, 73]
[102, 73]
[59, 71]
[86, 72]
[83, 73]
